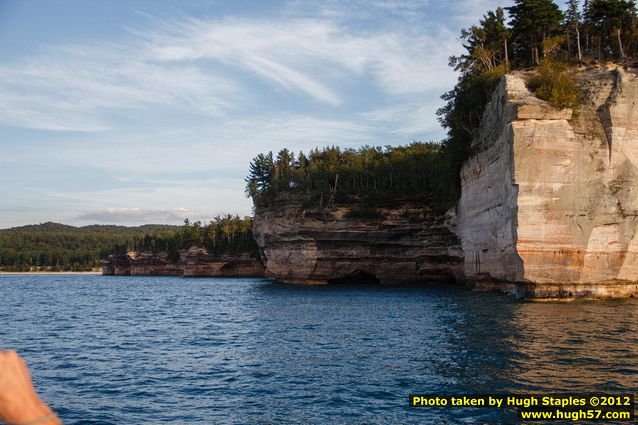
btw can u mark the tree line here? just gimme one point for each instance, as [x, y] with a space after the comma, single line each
[539, 29]
[226, 234]
[538, 35]
[372, 175]
[541, 36]
[58, 247]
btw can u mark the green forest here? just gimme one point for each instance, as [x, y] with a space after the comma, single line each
[226, 234]
[534, 35]
[58, 247]
[374, 175]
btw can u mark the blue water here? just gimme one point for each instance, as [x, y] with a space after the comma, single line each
[122, 350]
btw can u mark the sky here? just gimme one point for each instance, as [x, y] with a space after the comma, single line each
[141, 111]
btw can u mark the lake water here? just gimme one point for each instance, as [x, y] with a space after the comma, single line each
[131, 350]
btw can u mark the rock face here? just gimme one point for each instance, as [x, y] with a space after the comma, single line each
[198, 262]
[407, 245]
[549, 201]
[192, 262]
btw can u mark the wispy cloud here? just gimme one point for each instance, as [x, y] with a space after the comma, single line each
[209, 66]
[361, 9]
[76, 88]
[406, 119]
[216, 149]
[312, 56]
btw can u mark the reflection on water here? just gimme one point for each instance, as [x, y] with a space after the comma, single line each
[580, 346]
[174, 350]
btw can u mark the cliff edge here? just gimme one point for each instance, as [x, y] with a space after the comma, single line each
[192, 262]
[405, 244]
[549, 206]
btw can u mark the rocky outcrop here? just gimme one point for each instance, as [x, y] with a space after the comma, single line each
[117, 265]
[406, 245]
[192, 262]
[198, 262]
[549, 206]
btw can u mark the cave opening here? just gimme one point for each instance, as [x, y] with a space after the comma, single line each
[231, 265]
[357, 277]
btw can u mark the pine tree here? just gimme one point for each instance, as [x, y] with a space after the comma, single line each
[611, 21]
[260, 174]
[533, 22]
[486, 44]
[572, 21]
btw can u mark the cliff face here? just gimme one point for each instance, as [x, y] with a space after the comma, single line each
[198, 262]
[549, 200]
[192, 262]
[407, 245]
[549, 207]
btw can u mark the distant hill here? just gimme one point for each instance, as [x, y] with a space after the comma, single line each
[56, 246]
[50, 226]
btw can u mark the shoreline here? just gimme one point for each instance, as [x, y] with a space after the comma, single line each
[49, 272]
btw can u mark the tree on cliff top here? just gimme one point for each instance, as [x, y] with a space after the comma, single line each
[572, 24]
[532, 23]
[372, 175]
[537, 34]
[480, 67]
[260, 174]
[613, 28]
[485, 44]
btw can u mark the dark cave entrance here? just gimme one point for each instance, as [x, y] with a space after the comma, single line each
[231, 265]
[358, 277]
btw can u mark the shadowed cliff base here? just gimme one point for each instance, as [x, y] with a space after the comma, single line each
[194, 262]
[557, 291]
[358, 277]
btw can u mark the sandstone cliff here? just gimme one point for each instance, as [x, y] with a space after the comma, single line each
[407, 245]
[549, 200]
[192, 262]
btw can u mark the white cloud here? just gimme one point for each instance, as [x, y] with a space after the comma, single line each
[468, 12]
[75, 88]
[312, 56]
[194, 64]
[217, 149]
[153, 201]
[409, 10]
[201, 65]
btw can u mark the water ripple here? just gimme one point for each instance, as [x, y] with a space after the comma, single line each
[106, 350]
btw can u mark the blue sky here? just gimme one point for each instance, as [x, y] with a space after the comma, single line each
[143, 111]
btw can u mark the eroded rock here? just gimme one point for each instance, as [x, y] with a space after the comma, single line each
[550, 203]
[408, 245]
[192, 262]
